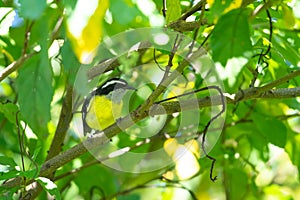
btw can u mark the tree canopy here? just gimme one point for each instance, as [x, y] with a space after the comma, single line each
[215, 113]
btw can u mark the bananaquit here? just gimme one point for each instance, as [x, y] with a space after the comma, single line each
[103, 106]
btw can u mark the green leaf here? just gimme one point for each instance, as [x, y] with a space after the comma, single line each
[293, 149]
[9, 174]
[129, 197]
[289, 53]
[237, 182]
[230, 37]
[273, 129]
[217, 9]
[70, 61]
[173, 10]
[32, 9]
[30, 174]
[7, 161]
[95, 176]
[9, 110]
[120, 10]
[34, 85]
[49, 186]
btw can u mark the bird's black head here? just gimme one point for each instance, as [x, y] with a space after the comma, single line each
[111, 85]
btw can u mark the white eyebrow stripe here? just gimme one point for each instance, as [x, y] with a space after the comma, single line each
[113, 82]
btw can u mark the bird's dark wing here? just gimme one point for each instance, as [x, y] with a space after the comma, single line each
[84, 110]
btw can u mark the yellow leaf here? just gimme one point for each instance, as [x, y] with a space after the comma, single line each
[288, 16]
[169, 175]
[186, 163]
[210, 2]
[170, 146]
[173, 10]
[234, 4]
[185, 158]
[180, 89]
[193, 146]
[87, 40]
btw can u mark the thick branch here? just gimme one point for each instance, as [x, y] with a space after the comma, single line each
[279, 81]
[62, 126]
[140, 113]
[252, 93]
[164, 108]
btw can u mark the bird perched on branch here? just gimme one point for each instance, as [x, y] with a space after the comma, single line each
[103, 106]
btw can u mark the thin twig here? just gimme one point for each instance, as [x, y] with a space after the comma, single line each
[279, 81]
[164, 9]
[196, 32]
[56, 29]
[15, 65]
[171, 56]
[194, 9]
[21, 145]
[27, 36]
[155, 60]
[263, 55]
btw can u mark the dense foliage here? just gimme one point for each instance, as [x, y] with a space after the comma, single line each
[234, 134]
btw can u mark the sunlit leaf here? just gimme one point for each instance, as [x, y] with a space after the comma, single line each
[225, 5]
[170, 146]
[85, 28]
[284, 48]
[288, 16]
[185, 158]
[173, 10]
[233, 5]
[186, 163]
[193, 146]
[49, 186]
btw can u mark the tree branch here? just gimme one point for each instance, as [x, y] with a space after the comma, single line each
[279, 81]
[163, 108]
[112, 63]
[62, 126]
[194, 9]
[252, 93]
[15, 65]
[140, 113]
[181, 25]
[18, 63]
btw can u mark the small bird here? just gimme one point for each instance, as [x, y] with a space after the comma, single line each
[103, 106]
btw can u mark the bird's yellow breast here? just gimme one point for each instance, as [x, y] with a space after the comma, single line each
[102, 112]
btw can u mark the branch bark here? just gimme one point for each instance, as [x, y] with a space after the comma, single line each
[63, 125]
[164, 108]
[15, 66]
